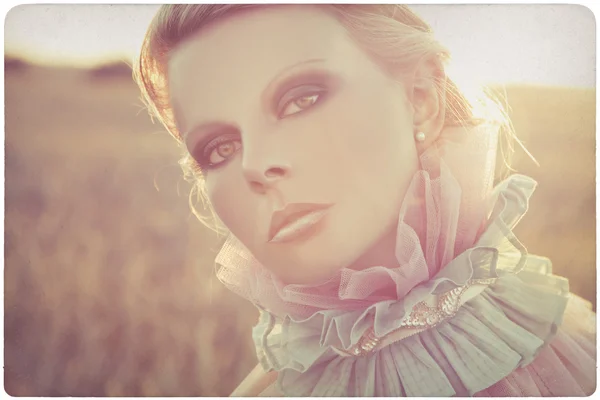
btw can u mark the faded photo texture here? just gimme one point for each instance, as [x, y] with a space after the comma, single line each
[109, 279]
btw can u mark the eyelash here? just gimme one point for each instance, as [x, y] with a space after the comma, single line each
[319, 92]
[202, 160]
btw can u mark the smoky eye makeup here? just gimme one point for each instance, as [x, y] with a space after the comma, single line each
[203, 148]
[306, 83]
[311, 85]
[297, 93]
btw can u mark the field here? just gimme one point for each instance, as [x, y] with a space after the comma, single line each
[109, 281]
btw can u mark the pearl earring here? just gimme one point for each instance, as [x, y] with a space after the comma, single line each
[420, 136]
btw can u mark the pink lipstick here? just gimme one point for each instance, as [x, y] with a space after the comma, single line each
[296, 220]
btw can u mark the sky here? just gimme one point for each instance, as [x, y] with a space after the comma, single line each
[551, 44]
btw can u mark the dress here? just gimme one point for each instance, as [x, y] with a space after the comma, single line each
[468, 313]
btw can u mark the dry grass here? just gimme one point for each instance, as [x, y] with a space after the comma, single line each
[109, 287]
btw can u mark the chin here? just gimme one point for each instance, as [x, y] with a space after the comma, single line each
[319, 257]
[312, 262]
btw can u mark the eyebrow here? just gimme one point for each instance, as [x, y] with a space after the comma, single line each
[268, 90]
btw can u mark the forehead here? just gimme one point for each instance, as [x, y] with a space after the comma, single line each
[242, 52]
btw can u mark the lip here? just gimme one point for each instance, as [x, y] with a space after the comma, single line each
[297, 218]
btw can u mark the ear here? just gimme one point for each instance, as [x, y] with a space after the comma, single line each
[427, 96]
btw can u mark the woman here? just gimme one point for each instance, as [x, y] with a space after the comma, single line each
[356, 184]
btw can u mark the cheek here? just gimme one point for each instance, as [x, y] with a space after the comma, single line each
[381, 158]
[375, 139]
[224, 192]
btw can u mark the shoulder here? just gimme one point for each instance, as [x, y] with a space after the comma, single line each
[257, 382]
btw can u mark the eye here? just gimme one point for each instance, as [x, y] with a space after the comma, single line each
[222, 151]
[216, 152]
[299, 104]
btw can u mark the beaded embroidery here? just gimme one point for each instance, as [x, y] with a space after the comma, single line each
[422, 316]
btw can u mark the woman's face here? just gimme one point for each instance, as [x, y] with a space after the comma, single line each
[279, 106]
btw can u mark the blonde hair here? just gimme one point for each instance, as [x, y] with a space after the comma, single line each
[394, 36]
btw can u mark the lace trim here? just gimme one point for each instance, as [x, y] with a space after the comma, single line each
[423, 316]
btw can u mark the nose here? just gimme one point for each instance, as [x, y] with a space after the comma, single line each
[260, 179]
[265, 157]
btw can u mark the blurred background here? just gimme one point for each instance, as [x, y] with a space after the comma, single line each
[109, 278]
